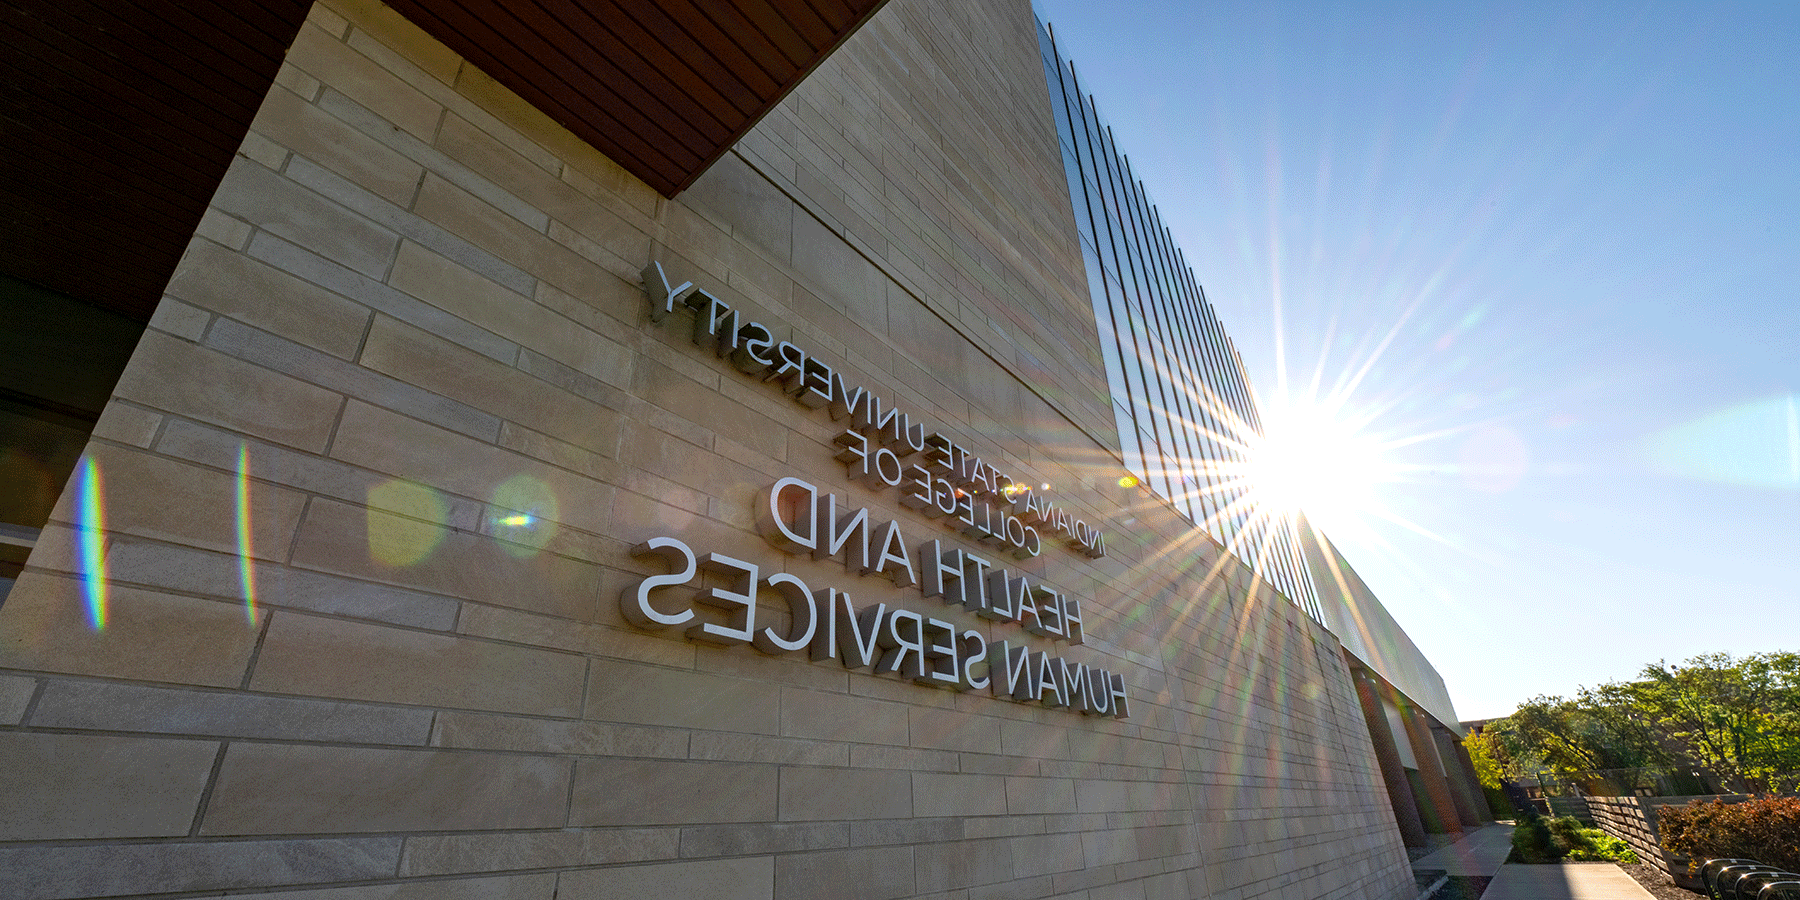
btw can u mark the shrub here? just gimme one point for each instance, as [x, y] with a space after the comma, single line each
[1531, 840]
[1537, 840]
[1582, 844]
[1766, 830]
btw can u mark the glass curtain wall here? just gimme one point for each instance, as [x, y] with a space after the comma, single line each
[1184, 407]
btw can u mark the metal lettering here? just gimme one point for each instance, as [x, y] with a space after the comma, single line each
[775, 515]
[634, 602]
[1071, 617]
[815, 384]
[943, 572]
[974, 652]
[739, 603]
[893, 560]
[906, 652]
[803, 616]
[752, 355]
[941, 665]
[662, 297]
[839, 529]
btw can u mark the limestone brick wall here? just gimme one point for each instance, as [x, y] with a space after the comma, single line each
[338, 663]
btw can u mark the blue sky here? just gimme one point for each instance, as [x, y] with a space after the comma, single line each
[1562, 240]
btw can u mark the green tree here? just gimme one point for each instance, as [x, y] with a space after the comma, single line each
[1588, 733]
[1739, 718]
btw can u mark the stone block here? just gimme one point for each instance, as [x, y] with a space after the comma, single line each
[1027, 796]
[725, 745]
[306, 129]
[467, 216]
[425, 360]
[877, 873]
[363, 80]
[270, 350]
[877, 756]
[378, 23]
[944, 729]
[172, 375]
[540, 886]
[133, 561]
[219, 227]
[441, 854]
[958, 795]
[647, 695]
[513, 626]
[664, 792]
[15, 697]
[1108, 847]
[69, 871]
[705, 403]
[330, 274]
[764, 837]
[255, 293]
[841, 717]
[395, 445]
[290, 211]
[449, 286]
[180, 319]
[818, 794]
[1043, 854]
[302, 789]
[877, 832]
[750, 878]
[321, 657]
[1033, 740]
[515, 733]
[108, 706]
[148, 636]
[414, 553]
[127, 424]
[61, 786]
[607, 224]
[948, 866]
[747, 203]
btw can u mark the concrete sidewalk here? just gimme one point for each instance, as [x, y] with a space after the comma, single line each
[1478, 852]
[1482, 853]
[1564, 881]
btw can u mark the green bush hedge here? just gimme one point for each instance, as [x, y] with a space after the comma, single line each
[1539, 840]
[1766, 830]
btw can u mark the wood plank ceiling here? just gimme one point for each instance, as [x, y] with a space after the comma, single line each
[663, 87]
[117, 120]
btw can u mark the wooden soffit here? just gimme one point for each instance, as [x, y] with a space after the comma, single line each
[118, 119]
[663, 87]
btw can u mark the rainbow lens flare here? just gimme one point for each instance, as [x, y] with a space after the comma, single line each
[91, 533]
[525, 514]
[246, 567]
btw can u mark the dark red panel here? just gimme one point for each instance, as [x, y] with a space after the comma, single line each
[664, 87]
[119, 119]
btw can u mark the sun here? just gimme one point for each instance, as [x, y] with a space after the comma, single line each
[1318, 460]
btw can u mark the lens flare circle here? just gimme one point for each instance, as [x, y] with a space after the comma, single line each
[406, 522]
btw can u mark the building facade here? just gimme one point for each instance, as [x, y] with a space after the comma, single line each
[527, 481]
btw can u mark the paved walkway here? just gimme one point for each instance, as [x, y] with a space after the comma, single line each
[1482, 853]
[1564, 881]
[1478, 852]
